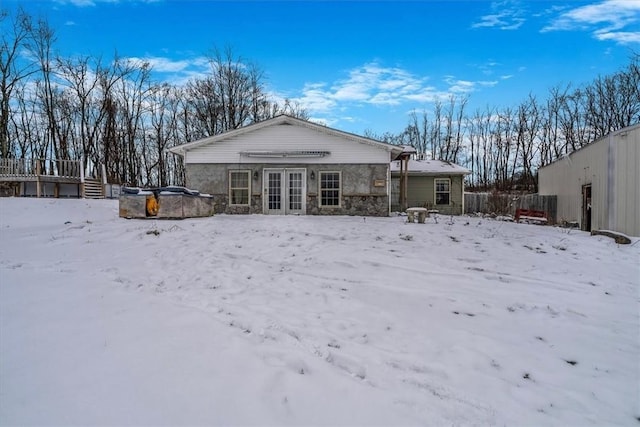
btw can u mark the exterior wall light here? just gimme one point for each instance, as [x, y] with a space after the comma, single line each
[255, 175]
[313, 175]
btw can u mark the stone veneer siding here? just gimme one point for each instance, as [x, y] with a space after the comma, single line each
[359, 195]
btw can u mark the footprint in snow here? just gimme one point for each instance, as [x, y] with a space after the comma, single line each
[467, 314]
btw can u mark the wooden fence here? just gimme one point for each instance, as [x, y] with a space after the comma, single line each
[506, 204]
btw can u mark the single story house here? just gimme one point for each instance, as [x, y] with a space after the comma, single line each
[433, 184]
[598, 186]
[290, 166]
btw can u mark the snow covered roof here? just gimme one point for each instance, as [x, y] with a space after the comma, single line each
[431, 167]
[408, 149]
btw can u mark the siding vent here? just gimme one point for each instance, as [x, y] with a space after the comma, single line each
[297, 153]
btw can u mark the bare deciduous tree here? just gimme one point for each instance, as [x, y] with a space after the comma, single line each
[114, 114]
[13, 69]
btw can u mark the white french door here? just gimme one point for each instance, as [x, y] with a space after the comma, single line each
[285, 191]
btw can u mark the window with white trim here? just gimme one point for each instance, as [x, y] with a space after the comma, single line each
[443, 191]
[330, 189]
[239, 182]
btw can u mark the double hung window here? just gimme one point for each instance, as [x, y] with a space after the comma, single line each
[239, 187]
[443, 191]
[330, 191]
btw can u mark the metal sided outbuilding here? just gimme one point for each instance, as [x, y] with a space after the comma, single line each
[598, 186]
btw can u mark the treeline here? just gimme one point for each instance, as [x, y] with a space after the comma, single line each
[112, 112]
[504, 147]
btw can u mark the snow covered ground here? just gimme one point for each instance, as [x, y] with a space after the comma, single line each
[258, 320]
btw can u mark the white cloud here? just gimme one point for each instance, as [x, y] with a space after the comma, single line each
[387, 88]
[488, 67]
[553, 10]
[618, 13]
[459, 86]
[316, 98]
[176, 72]
[164, 65]
[368, 84]
[353, 92]
[91, 3]
[622, 37]
[506, 15]
[80, 3]
[385, 98]
[426, 95]
[70, 23]
[488, 83]
[604, 19]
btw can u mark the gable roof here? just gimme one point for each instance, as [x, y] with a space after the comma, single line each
[180, 150]
[431, 167]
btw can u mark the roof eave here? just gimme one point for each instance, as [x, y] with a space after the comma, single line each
[282, 119]
[427, 173]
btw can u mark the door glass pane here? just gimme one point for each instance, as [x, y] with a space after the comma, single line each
[275, 185]
[295, 191]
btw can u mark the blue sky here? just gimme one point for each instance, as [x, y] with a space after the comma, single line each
[358, 65]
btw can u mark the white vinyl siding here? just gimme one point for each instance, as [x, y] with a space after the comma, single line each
[239, 188]
[286, 137]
